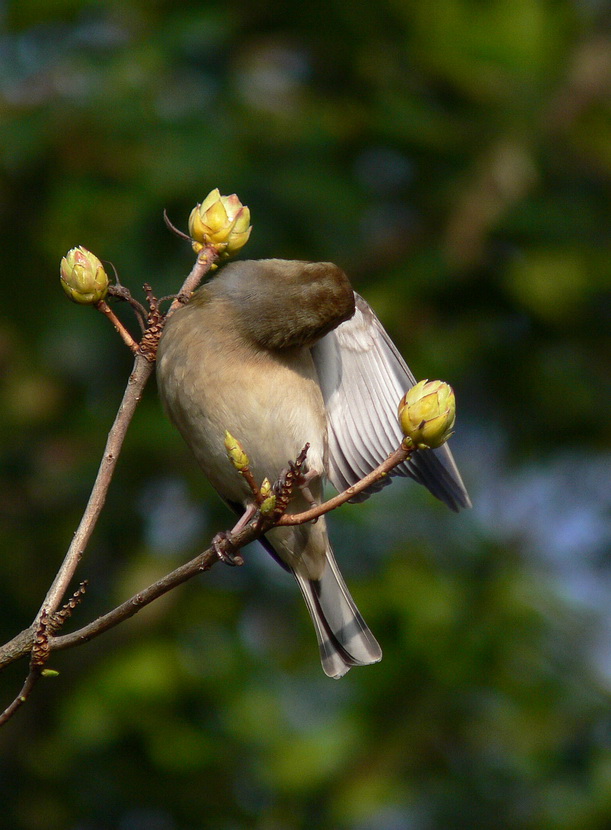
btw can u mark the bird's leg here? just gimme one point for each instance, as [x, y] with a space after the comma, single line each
[303, 483]
[223, 547]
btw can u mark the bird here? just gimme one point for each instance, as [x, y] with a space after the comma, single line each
[284, 353]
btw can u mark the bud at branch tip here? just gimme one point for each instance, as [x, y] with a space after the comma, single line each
[235, 452]
[220, 221]
[83, 277]
[427, 413]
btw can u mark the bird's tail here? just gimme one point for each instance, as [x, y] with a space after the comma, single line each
[343, 636]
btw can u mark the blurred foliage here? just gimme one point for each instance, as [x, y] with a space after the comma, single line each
[455, 158]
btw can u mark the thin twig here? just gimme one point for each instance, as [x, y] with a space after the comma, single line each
[122, 293]
[206, 260]
[129, 341]
[155, 322]
[26, 689]
[65, 612]
[255, 489]
[22, 644]
[141, 372]
[38, 657]
[393, 460]
[284, 487]
[143, 368]
[202, 562]
[173, 227]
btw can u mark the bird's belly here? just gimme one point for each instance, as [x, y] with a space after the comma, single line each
[272, 406]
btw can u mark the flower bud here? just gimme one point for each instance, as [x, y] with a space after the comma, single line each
[266, 488]
[268, 505]
[427, 413]
[235, 452]
[222, 221]
[83, 277]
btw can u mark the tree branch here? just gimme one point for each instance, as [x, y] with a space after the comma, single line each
[202, 562]
[129, 341]
[26, 689]
[143, 368]
[144, 363]
[393, 460]
[22, 644]
[39, 654]
[137, 380]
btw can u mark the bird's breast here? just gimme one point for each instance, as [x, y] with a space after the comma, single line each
[211, 381]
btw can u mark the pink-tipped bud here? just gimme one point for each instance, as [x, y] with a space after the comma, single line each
[220, 221]
[83, 277]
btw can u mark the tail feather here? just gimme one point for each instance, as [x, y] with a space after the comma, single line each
[343, 636]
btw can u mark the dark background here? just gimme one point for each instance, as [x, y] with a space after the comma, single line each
[455, 158]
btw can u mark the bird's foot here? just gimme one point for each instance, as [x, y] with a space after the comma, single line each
[303, 483]
[226, 550]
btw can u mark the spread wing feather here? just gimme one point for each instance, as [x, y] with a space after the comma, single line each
[363, 377]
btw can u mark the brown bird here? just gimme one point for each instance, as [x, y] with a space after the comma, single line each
[283, 353]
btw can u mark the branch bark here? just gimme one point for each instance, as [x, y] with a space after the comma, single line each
[393, 460]
[22, 644]
[137, 380]
[144, 364]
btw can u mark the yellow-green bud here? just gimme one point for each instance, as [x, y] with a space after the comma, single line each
[235, 452]
[268, 505]
[49, 673]
[83, 277]
[427, 414]
[222, 221]
[265, 489]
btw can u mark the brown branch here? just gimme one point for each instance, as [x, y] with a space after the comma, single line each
[143, 368]
[140, 374]
[39, 655]
[122, 293]
[155, 322]
[393, 460]
[22, 644]
[65, 612]
[202, 562]
[26, 689]
[206, 260]
[255, 489]
[129, 341]
[284, 488]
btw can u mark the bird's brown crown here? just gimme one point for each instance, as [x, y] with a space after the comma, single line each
[281, 304]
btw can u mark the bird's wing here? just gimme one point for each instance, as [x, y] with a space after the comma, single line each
[363, 377]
